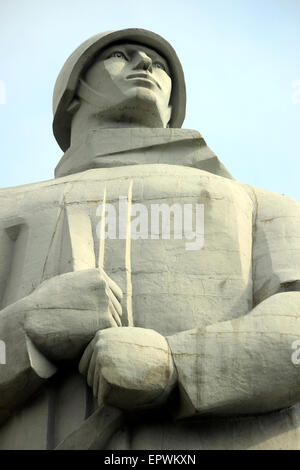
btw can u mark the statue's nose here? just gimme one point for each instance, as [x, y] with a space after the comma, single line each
[143, 62]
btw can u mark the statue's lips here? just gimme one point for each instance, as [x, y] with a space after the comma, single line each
[144, 76]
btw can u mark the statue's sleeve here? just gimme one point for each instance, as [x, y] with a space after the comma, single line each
[251, 364]
[22, 367]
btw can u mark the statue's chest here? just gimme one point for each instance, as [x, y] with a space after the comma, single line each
[177, 243]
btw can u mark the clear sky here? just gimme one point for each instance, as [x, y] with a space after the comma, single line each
[241, 60]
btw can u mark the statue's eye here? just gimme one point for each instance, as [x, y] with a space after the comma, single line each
[118, 55]
[159, 65]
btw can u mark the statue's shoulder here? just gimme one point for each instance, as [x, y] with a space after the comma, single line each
[15, 200]
[15, 191]
[276, 249]
[271, 204]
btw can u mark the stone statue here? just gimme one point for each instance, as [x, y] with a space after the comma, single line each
[122, 332]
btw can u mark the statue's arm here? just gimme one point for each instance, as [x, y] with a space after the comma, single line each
[52, 324]
[23, 368]
[242, 366]
[247, 365]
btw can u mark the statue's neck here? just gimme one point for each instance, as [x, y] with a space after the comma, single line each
[103, 148]
[83, 126]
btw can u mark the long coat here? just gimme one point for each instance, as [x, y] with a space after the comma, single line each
[230, 310]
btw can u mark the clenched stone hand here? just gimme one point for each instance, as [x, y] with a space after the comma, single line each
[129, 367]
[63, 314]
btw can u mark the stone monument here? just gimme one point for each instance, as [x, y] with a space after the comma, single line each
[148, 300]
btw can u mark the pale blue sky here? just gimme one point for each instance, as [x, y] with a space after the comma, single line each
[240, 57]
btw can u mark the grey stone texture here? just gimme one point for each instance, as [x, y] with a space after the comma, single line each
[140, 343]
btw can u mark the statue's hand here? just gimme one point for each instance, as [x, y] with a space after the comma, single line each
[129, 367]
[63, 314]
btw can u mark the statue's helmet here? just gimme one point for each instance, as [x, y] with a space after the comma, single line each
[68, 78]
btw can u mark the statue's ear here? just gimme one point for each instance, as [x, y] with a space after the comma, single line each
[73, 106]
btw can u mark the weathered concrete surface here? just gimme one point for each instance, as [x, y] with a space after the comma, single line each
[229, 361]
[190, 348]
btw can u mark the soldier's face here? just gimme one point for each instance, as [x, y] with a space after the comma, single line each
[132, 75]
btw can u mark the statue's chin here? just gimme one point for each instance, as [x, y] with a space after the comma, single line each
[140, 107]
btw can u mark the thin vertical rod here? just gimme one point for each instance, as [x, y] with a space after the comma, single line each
[128, 257]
